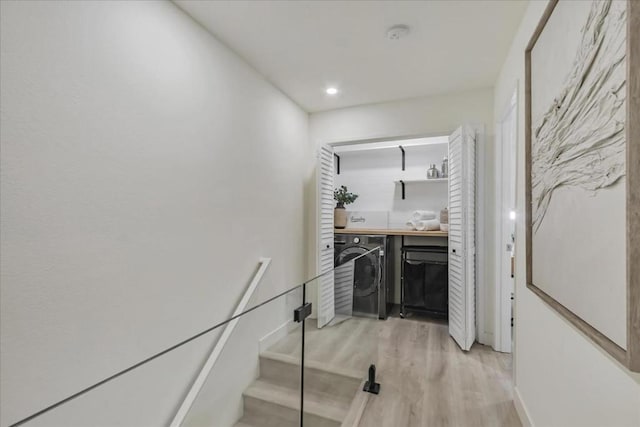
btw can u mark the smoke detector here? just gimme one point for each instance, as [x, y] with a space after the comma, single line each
[397, 32]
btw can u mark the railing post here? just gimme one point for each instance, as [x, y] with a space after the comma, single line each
[299, 315]
[372, 386]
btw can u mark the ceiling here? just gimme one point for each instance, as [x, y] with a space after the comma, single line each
[305, 46]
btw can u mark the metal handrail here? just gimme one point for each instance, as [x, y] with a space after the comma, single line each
[198, 383]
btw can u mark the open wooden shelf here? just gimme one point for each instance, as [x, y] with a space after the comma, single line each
[414, 181]
[390, 232]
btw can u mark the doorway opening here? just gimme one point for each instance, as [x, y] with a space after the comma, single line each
[402, 189]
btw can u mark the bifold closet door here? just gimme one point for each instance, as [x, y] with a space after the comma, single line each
[343, 289]
[462, 325]
[326, 303]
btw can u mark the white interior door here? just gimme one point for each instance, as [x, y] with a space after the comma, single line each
[462, 319]
[505, 225]
[325, 285]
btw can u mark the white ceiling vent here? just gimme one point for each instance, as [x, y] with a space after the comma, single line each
[397, 32]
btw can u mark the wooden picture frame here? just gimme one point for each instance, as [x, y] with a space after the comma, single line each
[629, 356]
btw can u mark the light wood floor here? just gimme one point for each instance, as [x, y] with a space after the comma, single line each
[426, 379]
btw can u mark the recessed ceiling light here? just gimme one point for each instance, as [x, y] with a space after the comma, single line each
[331, 91]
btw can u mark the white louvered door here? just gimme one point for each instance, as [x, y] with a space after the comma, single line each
[462, 317]
[325, 284]
[344, 289]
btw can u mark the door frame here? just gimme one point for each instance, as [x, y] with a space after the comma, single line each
[503, 340]
[482, 336]
[342, 142]
[481, 188]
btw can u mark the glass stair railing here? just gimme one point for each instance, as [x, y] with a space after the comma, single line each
[267, 364]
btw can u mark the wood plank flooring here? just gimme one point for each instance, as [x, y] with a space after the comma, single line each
[426, 379]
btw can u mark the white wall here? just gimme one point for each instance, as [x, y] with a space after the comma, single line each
[372, 175]
[562, 378]
[426, 116]
[145, 169]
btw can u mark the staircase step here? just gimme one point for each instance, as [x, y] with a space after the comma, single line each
[268, 402]
[356, 410]
[284, 370]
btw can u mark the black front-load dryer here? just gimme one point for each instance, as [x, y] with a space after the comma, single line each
[369, 291]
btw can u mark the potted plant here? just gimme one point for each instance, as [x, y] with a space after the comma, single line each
[342, 197]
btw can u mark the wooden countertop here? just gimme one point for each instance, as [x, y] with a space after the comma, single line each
[388, 232]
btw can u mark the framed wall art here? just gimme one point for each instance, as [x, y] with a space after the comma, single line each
[582, 136]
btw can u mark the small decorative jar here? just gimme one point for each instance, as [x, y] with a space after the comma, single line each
[433, 172]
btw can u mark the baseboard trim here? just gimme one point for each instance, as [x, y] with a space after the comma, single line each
[521, 409]
[274, 336]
